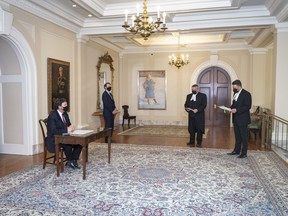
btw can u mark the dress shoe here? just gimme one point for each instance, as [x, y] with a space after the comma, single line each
[198, 145]
[233, 153]
[242, 156]
[76, 165]
[70, 164]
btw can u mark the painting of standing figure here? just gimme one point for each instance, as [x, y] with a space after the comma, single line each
[152, 90]
[58, 81]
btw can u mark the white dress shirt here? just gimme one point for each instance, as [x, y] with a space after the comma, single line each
[236, 95]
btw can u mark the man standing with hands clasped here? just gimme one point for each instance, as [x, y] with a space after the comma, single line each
[109, 108]
[240, 110]
[195, 105]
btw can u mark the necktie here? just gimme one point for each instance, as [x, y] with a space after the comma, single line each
[111, 95]
[64, 121]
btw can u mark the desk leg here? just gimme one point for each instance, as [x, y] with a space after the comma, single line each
[84, 158]
[109, 148]
[57, 159]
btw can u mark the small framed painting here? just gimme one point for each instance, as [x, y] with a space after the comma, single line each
[58, 81]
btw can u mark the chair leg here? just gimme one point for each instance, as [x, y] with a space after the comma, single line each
[135, 121]
[129, 122]
[45, 156]
[61, 160]
[123, 122]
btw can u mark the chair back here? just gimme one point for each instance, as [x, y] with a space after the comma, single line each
[43, 126]
[125, 108]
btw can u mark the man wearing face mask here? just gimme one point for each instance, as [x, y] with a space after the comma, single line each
[195, 105]
[240, 110]
[58, 124]
[109, 108]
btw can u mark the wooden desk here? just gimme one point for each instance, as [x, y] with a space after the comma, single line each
[83, 140]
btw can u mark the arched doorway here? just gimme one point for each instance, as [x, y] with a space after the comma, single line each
[215, 82]
[18, 96]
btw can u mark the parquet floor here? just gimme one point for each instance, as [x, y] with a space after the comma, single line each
[217, 137]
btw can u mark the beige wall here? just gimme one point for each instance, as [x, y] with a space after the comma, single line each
[51, 41]
[248, 67]
[255, 69]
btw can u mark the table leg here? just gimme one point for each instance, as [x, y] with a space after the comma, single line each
[84, 156]
[109, 148]
[57, 159]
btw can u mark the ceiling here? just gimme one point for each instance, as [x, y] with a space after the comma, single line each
[202, 24]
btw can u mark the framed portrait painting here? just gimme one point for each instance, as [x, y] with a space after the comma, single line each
[152, 90]
[58, 81]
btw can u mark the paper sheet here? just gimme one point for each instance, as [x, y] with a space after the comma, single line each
[225, 108]
[81, 132]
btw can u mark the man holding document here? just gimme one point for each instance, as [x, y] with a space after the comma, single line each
[195, 106]
[240, 110]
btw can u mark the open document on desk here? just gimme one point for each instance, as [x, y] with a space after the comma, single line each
[81, 132]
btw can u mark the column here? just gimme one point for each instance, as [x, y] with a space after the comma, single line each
[281, 69]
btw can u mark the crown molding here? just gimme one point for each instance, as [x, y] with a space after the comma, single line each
[44, 14]
[282, 27]
[214, 48]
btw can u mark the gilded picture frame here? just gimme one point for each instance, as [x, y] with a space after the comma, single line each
[152, 90]
[58, 77]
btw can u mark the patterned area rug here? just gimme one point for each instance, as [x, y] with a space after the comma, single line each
[160, 130]
[151, 180]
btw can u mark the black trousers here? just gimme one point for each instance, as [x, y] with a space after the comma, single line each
[72, 152]
[109, 123]
[194, 128]
[241, 138]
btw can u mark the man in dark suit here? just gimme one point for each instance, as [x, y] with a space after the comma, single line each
[240, 110]
[195, 105]
[109, 108]
[58, 124]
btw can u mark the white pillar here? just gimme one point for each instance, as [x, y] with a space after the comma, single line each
[281, 70]
[81, 82]
[258, 76]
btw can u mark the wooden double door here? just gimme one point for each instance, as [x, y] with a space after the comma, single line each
[215, 82]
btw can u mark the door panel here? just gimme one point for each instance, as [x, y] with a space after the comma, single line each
[216, 84]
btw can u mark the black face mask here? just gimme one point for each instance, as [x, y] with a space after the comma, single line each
[194, 92]
[235, 90]
[65, 108]
[109, 88]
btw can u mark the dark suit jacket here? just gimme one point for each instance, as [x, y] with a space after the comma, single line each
[242, 105]
[55, 126]
[108, 106]
[200, 104]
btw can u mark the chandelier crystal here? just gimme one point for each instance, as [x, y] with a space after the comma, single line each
[179, 60]
[144, 24]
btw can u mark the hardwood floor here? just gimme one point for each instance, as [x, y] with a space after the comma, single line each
[219, 138]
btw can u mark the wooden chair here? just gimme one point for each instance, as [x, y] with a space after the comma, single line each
[49, 156]
[127, 116]
[255, 126]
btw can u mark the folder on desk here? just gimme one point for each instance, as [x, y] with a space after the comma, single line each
[81, 132]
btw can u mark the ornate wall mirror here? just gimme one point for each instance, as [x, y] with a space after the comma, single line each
[105, 73]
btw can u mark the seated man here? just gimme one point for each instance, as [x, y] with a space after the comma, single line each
[58, 124]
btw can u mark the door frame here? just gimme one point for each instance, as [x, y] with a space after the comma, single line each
[214, 62]
[29, 96]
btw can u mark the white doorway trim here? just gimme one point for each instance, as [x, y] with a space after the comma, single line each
[29, 95]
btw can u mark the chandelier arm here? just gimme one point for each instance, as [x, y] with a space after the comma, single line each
[143, 25]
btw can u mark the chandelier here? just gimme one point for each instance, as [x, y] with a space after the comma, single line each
[144, 24]
[180, 60]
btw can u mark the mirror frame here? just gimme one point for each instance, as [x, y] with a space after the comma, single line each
[106, 58]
